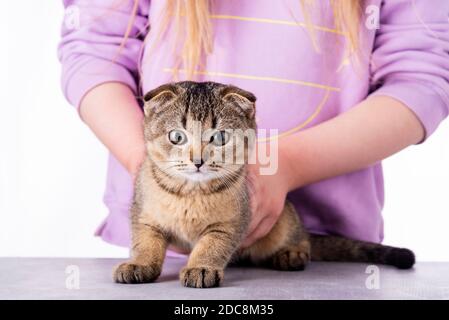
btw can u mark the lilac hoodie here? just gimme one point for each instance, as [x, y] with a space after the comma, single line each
[263, 46]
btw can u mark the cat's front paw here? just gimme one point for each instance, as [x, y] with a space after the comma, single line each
[201, 277]
[128, 272]
[290, 260]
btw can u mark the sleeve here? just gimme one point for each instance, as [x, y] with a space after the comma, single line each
[410, 59]
[91, 49]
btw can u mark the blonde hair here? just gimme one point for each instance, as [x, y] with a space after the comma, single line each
[192, 18]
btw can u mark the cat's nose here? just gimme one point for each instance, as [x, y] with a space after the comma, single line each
[199, 163]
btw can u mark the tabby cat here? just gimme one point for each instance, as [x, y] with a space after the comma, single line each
[188, 194]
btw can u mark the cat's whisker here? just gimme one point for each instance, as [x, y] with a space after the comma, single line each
[226, 180]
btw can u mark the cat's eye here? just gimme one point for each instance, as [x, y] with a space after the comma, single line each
[220, 138]
[177, 137]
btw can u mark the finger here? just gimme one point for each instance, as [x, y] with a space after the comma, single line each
[255, 207]
[251, 179]
[252, 185]
[262, 229]
[256, 219]
[257, 215]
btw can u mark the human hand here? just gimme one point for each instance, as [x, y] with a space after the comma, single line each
[267, 199]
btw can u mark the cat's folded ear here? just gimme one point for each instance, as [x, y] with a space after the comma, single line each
[157, 99]
[241, 98]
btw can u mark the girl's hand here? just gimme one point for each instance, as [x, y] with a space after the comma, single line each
[267, 198]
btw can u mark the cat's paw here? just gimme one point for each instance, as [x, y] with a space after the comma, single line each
[290, 260]
[128, 272]
[201, 277]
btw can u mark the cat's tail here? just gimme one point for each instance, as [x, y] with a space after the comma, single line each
[333, 248]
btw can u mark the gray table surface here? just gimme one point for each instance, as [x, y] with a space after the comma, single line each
[57, 278]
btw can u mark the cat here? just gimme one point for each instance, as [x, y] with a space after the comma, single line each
[199, 202]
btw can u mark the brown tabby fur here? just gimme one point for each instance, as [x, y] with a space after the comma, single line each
[209, 218]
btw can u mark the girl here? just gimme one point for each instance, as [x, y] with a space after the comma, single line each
[346, 83]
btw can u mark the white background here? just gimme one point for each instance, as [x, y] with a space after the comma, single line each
[52, 169]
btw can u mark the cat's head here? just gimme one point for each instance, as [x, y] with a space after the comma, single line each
[198, 132]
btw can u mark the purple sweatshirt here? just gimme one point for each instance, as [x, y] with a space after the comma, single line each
[263, 46]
